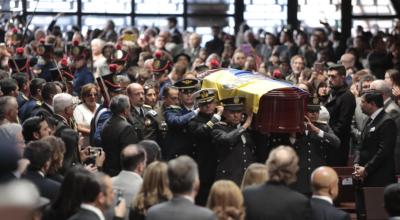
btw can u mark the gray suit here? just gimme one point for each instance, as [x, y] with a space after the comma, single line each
[179, 208]
[393, 110]
[130, 183]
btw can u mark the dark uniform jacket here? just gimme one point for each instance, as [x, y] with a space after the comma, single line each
[48, 188]
[117, 133]
[178, 140]
[323, 210]
[144, 123]
[235, 151]
[376, 151]
[275, 201]
[312, 152]
[341, 106]
[206, 157]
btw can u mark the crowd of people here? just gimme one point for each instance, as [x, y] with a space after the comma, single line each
[116, 125]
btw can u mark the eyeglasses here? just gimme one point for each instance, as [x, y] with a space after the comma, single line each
[91, 95]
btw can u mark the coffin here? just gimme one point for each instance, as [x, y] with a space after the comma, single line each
[278, 106]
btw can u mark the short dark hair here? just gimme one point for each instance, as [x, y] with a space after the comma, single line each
[30, 126]
[38, 153]
[8, 85]
[21, 80]
[391, 197]
[182, 173]
[93, 186]
[36, 83]
[131, 161]
[165, 92]
[375, 97]
[153, 150]
[49, 90]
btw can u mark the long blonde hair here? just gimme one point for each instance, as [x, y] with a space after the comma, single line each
[154, 188]
[226, 200]
[255, 174]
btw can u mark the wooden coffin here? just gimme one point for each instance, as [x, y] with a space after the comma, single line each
[279, 106]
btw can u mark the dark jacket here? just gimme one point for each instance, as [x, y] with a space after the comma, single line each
[145, 123]
[376, 152]
[206, 156]
[275, 201]
[341, 106]
[84, 214]
[48, 188]
[178, 140]
[312, 151]
[323, 210]
[117, 133]
[235, 151]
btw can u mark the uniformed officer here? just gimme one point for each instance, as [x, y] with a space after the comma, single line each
[200, 127]
[178, 141]
[143, 116]
[234, 145]
[311, 146]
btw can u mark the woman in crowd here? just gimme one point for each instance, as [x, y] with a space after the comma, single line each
[69, 197]
[57, 158]
[226, 200]
[154, 190]
[84, 112]
[255, 174]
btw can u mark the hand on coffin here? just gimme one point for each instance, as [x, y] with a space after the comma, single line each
[310, 126]
[220, 109]
[248, 121]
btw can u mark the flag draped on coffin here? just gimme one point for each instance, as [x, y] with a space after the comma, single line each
[232, 82]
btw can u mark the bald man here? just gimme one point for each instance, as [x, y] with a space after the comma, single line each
[143, 116]
[324, 182]
[129, 180]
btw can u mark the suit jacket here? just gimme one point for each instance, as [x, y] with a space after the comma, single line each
[393, 110]
[117, 133]
[84, 214]
[341, 106]
[275, 201]
[376, 151]
[48, 188]
[179, 208]
[323, 210]
[130, 183]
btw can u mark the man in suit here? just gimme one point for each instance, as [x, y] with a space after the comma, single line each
[143, 116]
[183, 180]
[35, 101]
[129, 180]
[374, 160]
[8, 110]
[234, 146]
[324, 182]
[274, 199]
[35, 128]
[63, 106]
[200, 127]
[117, 133]
[49, 90]
[391, 196]
[97, 198]
[39, 155]
[341, 105]
[390, 107]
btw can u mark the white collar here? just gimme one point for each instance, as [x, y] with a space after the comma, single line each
[373, 116]
[94, 209]
[41, 173]
[394, 218]
[386, 101]
[188, 198]
[326, 198]
[130, 173]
